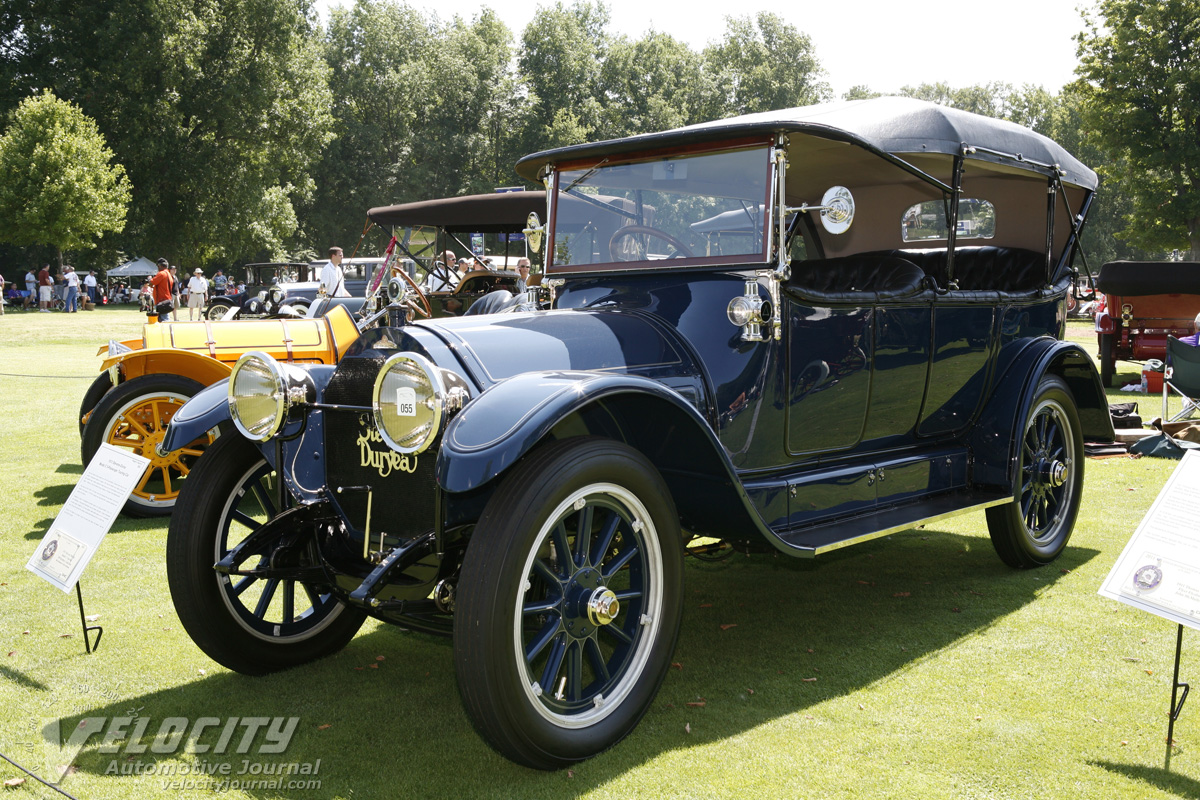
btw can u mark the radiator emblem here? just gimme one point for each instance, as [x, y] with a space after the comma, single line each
[382, 459]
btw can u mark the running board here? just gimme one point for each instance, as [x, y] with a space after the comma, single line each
[813, 540]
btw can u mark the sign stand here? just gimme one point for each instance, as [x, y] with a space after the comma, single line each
[1159, 570]
[90, 646]
[1176, 707]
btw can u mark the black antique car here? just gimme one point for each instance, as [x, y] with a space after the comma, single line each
[778, 330]
[258, 280]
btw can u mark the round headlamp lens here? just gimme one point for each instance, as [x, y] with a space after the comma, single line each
[277, 294]
[409, 403]
[257, 396]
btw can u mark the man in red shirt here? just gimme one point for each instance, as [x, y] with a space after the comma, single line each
[45, 288]
[160, 285]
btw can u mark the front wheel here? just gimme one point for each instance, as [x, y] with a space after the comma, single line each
[569, 602]
[134, 416]
[100, 387]
[250, 624]
[1034, 528]
[217, 311]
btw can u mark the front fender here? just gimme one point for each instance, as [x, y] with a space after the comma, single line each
[200, 368]
[996, 438]
[509, 419]
[205, 411]
[503, 423]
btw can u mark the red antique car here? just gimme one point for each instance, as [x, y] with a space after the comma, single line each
[1144, 303]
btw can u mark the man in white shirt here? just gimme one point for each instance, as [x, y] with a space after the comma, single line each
[333, 282]
[31, 287]
[89, 284]
[197, 293]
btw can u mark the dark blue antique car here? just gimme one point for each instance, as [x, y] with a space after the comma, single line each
[795, 330]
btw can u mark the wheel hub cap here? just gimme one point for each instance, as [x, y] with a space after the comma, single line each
[603, 607]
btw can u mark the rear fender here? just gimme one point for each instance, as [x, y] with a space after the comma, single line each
[511, 418]
[995, 440]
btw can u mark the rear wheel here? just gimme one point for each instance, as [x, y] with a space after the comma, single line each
[1034, 528]
[569, 602]
[1108, 359]
[253, 625]
[135, 416]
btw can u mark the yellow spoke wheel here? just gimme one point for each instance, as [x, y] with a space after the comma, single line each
[134, 416]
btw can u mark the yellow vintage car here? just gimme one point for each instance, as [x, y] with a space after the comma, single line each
[144, 381]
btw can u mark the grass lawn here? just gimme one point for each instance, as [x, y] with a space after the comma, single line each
[917, 666]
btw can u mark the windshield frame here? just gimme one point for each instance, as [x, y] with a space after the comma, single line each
[571, 170]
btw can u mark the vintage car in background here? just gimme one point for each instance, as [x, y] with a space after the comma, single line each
[142, 382]
[258, 279]
[1144, 303]
[358, 274]
[742, 341]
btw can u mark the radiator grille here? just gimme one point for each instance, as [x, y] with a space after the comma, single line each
[402, 486]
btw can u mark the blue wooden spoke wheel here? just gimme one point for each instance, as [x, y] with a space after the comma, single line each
[251, 624]
[569, 602]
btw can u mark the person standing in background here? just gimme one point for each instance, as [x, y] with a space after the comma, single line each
[45, 288]
[71, 279]
[89, 285]
[31, 288]
[197, 289]
[175, 290]
[333, 281]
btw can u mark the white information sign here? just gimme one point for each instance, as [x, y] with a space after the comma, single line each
[87, 515]
[1159, 569]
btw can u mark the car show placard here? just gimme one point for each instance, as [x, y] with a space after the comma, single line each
[1159, 569]
[87, 515]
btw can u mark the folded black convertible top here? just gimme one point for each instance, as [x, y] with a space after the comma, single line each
[1140, 278]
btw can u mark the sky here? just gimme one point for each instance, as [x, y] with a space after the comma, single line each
[884, 45]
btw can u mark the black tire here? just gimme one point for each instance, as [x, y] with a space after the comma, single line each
[244, 623]
[1108, 359]
[92, 396]
[615, 665]
[216, 310]
[134, 415]
[1035, 527]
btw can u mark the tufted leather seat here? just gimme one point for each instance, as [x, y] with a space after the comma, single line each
[1008, 271]
[856, 279]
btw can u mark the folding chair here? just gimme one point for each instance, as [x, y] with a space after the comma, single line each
[1182, 376]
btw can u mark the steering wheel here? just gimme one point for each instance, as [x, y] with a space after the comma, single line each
[409, 300]
[616, 249]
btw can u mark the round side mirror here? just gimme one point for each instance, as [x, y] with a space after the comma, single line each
[837, 209]
[533, 233]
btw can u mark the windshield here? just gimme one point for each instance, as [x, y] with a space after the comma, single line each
[699, 209]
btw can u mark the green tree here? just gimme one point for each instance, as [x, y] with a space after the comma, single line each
[423, 109]
[217, 109]
[562, 51]
[651, 84]
[763, 64]
[1139, 81]
[1103, 239]
[58, 185]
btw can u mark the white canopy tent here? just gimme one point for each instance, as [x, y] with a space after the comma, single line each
[137, 268]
